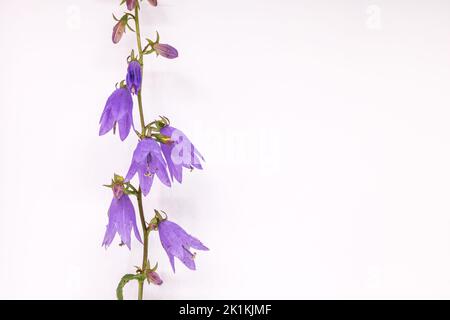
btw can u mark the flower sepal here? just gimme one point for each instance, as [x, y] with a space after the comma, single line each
[161, 138]
[119, 186]
[156, 125]
[156, 220]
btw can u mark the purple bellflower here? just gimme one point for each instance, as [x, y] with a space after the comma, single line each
[177, 242]
[148, 161]
[179, 153]
[122, 218]
[165, 50]
[118, 109]
[134, 77]
[153, 2]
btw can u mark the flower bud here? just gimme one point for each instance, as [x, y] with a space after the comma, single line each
[153, 277]
[134, 76]
[165, 50]
[153, 2]
[131, 4]
[119, 30]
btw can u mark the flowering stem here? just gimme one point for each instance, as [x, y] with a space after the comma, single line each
[141, 61]
[139, 194]
[145, 253]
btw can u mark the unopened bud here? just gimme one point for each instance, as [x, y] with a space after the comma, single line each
[119, 29]
[131, 4]
[153, 277]
[165, 50]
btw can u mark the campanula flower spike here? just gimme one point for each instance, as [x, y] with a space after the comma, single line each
[162, 151]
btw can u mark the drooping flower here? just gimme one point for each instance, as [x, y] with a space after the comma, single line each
[122, 217]
[177, 242]
[131, 4]
[148, 161]
[118, 109]
[165, 50]
[119, 30]
[134, 77]
[153, 277]
[179, 153]
[153, 2]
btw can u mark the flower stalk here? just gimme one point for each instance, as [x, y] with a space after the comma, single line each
[141, 117]
[162, 151]
[141, 61]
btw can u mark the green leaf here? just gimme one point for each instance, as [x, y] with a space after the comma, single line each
[125, 279]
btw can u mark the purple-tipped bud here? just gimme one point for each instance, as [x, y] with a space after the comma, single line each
[119, 30]
[131, 4]
[153, 277]
[165, 50]
[134, 76]
[153, 2]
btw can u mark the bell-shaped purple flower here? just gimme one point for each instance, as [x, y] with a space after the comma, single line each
[134, 77]
[179, 153]
[177, 243]
[165, 50]
[131, 4]
[153, 2]
[148, 161]
[118, 109]
[122, 218]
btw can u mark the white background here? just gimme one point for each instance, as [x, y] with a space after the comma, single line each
[325, 126]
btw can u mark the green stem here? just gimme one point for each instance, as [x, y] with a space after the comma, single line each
[139, 194]
[145, 253]
[141, 61]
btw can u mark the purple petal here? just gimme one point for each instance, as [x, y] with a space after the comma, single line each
[143, 148]
[106, 122]
[188, 260]
[111, 228]
[145, 181]
[124, 225]
[124, 127]
[172, 261]
[131, 216]
[196, 244]
[131, 171]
